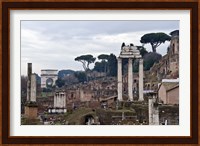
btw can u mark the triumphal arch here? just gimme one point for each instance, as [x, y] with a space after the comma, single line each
[130, 52]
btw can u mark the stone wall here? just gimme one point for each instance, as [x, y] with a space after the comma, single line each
[173, 96]
[44, 103]
[169, 113]
[166, 112]
[107, 117]
[162, 94]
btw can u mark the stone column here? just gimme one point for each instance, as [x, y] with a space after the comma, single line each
[64, 100]
[141, 80]
[130, 79]
[59, 100]
[153, 112]
[33, 87]
[156, 116]
[29, 72]
[55, 100]
[61, 97]
[119, 76]
[150, 111]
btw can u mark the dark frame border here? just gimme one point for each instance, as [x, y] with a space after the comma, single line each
[7, 6]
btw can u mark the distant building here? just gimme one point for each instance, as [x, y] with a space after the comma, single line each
[48, 77]
[168, 91]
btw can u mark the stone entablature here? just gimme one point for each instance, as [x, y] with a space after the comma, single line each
[129, 52]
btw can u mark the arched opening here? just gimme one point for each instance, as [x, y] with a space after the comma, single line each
[89, 120]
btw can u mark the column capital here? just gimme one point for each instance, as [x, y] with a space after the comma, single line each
[130, 60]
[119, 59]
[141, 60]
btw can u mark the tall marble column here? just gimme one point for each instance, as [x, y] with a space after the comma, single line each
[150, 111]
[153, 111]
[33, 87]
[141, 98]
[29, 72]
[130, 79]
[119, 77]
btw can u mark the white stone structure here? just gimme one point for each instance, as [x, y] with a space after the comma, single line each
[59, 103]
[153, 111]
[141, 98]
[60, 100]
[119, 76]
[48, 77]
[31, 84]
[33, 87]
[131, 52]
[29, 72]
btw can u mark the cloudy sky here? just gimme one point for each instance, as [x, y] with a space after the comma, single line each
[55, 44]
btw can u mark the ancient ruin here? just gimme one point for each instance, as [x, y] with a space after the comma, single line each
[141, 97]
[59, 105]
[31, 105]
[48, 77]
[130, 52]
[153, 110]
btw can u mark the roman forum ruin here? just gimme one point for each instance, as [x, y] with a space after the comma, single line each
[108, 100]
[31, 108]
[130, 52]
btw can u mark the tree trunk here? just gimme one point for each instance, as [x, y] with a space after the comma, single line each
[153, 48]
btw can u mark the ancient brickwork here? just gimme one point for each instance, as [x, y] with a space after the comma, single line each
[167, 67]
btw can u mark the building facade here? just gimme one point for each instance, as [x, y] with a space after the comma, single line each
[168, 91]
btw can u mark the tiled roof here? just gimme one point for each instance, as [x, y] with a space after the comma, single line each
[169, 85]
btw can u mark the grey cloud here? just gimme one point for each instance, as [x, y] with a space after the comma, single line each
[55, 44]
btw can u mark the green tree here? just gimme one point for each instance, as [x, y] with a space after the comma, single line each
[155, 39]
[60, 82]
[112, 65]
[99, 66]
[142, 50]
[104, 58]
[151, 58]
[81, 76]
[86, 60]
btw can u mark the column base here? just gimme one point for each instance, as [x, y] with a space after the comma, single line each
[31, 112]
